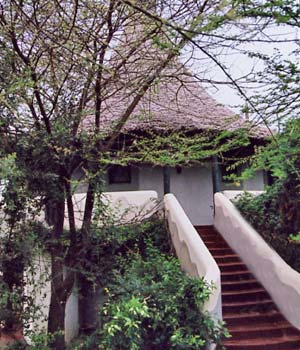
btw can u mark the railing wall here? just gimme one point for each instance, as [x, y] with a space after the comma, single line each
[194, 257]
[278, 278]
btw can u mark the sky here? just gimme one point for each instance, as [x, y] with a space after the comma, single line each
[239, 65]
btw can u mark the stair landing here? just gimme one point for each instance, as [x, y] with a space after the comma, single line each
[251, 316]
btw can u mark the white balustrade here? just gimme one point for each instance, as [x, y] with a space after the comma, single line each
[194, 257]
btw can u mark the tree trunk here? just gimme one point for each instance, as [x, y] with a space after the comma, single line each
[56, 320]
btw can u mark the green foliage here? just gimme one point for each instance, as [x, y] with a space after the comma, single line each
[281, 11]
[21, 237]
[18, 251]
[122, 329]
[109, 242]
[54, 69]
[176, 148]
[294, 237]
[268, 215]
[172, 304]
[275, 214]
[280, 156]
[151, 303]
[38, 341]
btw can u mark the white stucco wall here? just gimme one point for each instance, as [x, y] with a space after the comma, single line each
[131, 206]
[81, 186]
[42, 293]
[194, 257]
[193, 188]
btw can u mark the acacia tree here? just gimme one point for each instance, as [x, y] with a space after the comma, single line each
[63, 61]
[277, 101]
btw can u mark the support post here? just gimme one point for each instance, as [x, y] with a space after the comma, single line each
[216, 174]
[167, 180]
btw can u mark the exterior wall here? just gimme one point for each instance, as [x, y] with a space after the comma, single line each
[131, 206]
[72, 316]
[256, 183]
[42, 300]
[151, 178]
[193, 188]
[133, 186]
[194, 257]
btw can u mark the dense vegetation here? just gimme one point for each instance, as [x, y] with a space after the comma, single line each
[150, 303]
[262, 212]
[147, 302]
[275, 214]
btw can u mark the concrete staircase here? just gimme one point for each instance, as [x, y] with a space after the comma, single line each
[251, 317]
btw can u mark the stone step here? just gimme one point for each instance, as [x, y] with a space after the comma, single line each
[249, 284]
[227, 258]
[215, 252]
[231, 276]
[252, 331]
[214, 244]
[232, 266]
[264, 343]
[255, 317]
[247, 306]
[245, 295]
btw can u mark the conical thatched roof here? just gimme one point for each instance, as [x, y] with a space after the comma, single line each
[176, 101]
[176, 104]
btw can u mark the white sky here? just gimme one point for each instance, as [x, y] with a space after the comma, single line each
[240, 65]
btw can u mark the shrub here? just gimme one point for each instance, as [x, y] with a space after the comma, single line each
[266, 215]
[150, 303]
[169, 307]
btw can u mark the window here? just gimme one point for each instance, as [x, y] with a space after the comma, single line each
[118, 174]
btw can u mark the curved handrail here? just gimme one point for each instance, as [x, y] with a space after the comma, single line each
[194, 257]
[278, 278]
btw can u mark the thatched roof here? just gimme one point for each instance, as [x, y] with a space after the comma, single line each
[176, 101]
[173, 105]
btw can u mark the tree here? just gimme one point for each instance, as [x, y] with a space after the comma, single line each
[62, 62]
[276, 97]
[278, 101]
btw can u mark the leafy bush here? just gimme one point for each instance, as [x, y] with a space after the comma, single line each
[266, 215]
[110, 242]
[151, 304]
[275, 214]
